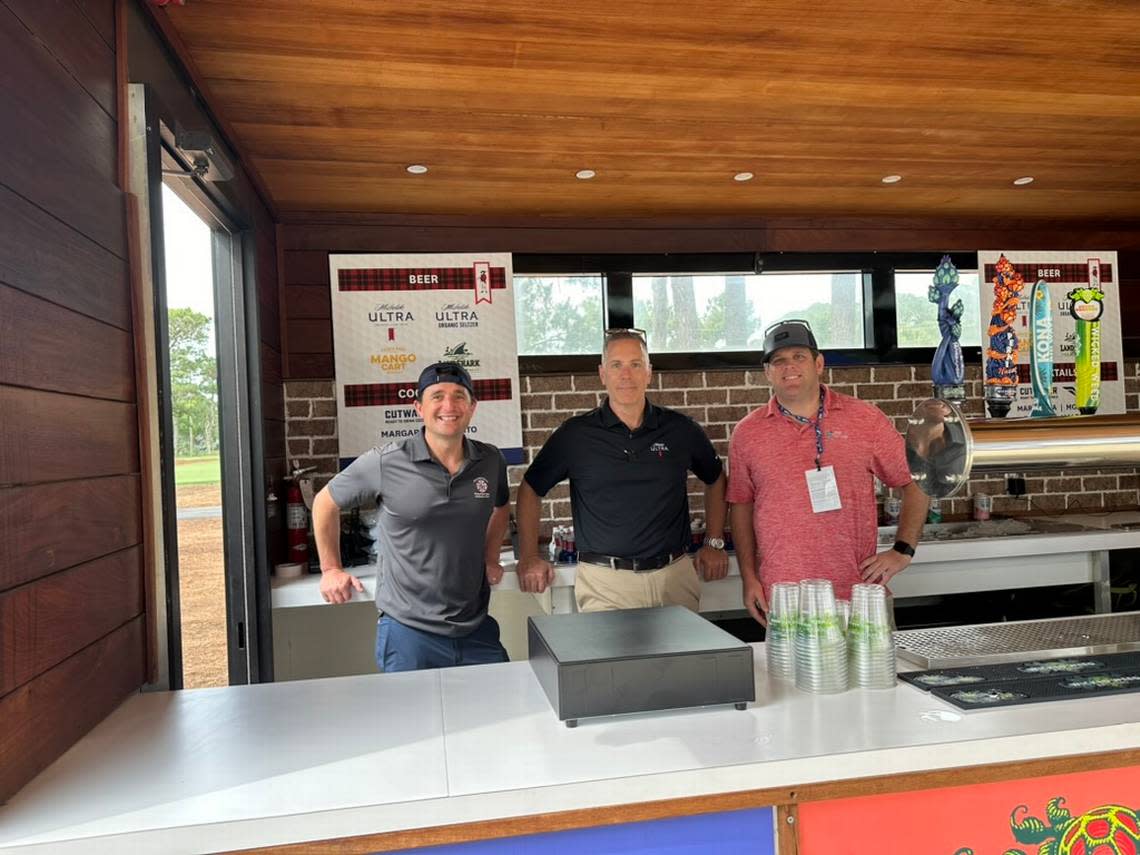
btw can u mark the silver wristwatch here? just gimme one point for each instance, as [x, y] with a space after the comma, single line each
[715, 542]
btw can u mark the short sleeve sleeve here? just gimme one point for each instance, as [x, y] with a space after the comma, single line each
[551, 464]
[361, 483]
[503, 495]
[706, 463]
[740, 488]
[888, 452]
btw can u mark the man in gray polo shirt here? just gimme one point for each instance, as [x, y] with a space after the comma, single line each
[443, 513]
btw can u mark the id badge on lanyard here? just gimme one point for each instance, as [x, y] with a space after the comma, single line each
[821, 485]
[822, 489]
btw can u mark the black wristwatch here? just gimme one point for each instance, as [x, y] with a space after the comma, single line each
[901, 546]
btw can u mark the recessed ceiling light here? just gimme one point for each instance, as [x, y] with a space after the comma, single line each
[1023, 180]
[585, 174]
[892, 179]
[743, 176]
[417, 169]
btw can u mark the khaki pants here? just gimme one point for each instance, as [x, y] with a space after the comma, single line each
[598, 588]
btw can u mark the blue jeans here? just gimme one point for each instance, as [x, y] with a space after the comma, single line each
[402, 648]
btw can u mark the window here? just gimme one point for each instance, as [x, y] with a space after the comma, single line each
[917, 318]
[559, 315]
[730, 312]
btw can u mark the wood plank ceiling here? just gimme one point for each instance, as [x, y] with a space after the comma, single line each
[505, 100]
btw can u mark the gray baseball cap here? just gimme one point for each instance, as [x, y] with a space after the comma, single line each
[789, 333]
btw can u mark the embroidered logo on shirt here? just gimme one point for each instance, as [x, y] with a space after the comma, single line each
[482, 488]
[660, 448]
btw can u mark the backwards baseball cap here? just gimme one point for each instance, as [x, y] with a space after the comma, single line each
[788, 333]
[444, 372]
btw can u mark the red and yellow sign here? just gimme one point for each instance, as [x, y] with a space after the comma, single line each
[1087, 813]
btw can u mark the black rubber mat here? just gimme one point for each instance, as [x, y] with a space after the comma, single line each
[1034, 669]
[1010, 693]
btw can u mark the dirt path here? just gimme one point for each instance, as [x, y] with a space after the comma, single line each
[202, 589]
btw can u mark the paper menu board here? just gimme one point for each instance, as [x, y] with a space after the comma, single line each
[393, 315]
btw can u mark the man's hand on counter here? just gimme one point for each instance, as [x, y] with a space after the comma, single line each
[337, 585]
[882, 567]
[711, 564]
[494, 572]
[534, 574]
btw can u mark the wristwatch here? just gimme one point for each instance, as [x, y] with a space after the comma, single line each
[714, 542]
[901, 546]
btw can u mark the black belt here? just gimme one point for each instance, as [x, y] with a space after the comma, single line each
[637, 565]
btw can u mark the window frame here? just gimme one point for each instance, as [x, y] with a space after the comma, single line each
[617, 271]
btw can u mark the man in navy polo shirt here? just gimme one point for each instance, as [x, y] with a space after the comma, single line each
[443, 512]
[628, 463]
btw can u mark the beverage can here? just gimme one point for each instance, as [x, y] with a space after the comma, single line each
[983, 506]
[934, 515]
[892, 507]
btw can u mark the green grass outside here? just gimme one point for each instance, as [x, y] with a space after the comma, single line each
[197, 470]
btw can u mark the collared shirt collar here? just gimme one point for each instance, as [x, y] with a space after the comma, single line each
[421, 452]
[831, 402]
[610, 419]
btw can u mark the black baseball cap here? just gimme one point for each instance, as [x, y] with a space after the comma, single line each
[789, 333]
[444, 372]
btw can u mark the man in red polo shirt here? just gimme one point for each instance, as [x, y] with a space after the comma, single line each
[801, 480]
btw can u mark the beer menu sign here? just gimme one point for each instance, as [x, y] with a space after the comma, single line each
[1051, 342]
[393, 315]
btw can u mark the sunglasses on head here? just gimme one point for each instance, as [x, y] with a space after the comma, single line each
[625, 332]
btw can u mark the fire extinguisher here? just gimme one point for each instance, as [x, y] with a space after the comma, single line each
[297, 518]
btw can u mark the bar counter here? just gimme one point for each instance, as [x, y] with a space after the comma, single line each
[401, 760]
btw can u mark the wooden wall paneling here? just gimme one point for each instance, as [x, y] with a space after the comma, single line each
[73, 39]
[310, 336]
[270, 365]
[143, 350]
[274, 430]
[45, 346]
[305, 243]
[308, 301]
[272, 392]
[43, 256]
[273, 402]
[45, 436]
[101, 14]
[45, 717]
[49, 527]
[668, 106]
[64, 156]
[283, 337]
[269, 318]
[303, 266]
[1129, 261]
[787, 830]
[44, 622]
[309, 366]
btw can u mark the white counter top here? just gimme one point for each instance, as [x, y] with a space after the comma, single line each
[257, 765]
[1099, 536]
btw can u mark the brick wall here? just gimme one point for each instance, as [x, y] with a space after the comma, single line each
[718, 400]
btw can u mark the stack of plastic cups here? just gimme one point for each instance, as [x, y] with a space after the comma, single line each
[870, 643]
[780, 640]
[821, 649]
[843, 609]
